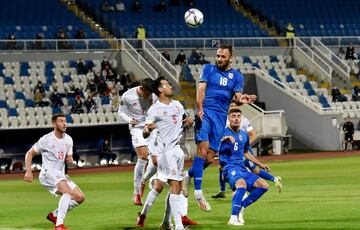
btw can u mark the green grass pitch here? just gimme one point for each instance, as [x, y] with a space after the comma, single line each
[317, 194]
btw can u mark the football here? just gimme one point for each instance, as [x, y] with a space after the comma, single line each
[193, 18]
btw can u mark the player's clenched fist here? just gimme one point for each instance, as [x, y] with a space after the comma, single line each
[28, 176]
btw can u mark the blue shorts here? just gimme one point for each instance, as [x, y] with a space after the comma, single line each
[211, 128]
[233, 173]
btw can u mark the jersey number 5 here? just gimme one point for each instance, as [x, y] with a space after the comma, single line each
[223, 81]
[174, 119]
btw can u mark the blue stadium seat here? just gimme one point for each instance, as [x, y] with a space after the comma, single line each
[66, 78]
[69, 119]
[29, 103]
[56, 109]
[3, 104]
[12, 112]
[105, 100]
[8, 81]
[290, 78]
[19, 95]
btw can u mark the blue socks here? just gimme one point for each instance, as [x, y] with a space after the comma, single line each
[222, 181]
[265, 175]
[253, 196]
[197, 172]
[237, 200]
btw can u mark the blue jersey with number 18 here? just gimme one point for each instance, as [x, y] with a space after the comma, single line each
[221, 87]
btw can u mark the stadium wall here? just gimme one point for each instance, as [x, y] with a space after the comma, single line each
[309, 129]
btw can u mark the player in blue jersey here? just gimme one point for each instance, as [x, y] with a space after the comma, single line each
[250, 130]
[218, 85]
[234, 147]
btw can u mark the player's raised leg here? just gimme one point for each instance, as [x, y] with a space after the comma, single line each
[67, 195]
[77, 197]
[157, 187]
[259, 188]
[266, 175]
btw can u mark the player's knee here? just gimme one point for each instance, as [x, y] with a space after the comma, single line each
[255, 170]
[240, 184]
[263, 184]
[78, 197]
[158, 186]
[202, 151]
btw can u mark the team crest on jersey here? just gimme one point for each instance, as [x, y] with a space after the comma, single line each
[233, 172]
[240, 137]
[177, 109]
[231, 75]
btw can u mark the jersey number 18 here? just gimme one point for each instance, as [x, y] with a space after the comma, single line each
[223, 81]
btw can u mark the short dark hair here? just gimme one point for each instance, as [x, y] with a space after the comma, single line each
[56, 115]
[226, 46]
[156, 84]
[234, 110]
[146, 85]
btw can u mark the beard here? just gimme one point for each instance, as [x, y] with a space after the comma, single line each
[223, 66]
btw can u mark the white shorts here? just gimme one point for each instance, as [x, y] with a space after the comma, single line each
[171, 164]
[154, 148]
[50, 179]
[137, 137]
[151, 181]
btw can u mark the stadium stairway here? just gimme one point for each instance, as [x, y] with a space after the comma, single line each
[187, 94]
[255, 18]
[87, 19]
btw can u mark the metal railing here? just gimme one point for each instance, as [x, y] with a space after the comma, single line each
[162, 60]
[142, 63]
[266, 123]
[315, 58]
[334, 59]
[61, 45]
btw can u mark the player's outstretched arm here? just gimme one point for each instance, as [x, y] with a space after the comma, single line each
[245, 98]
[252, 136]
[230, 138]
[28, 161]
[256, 161]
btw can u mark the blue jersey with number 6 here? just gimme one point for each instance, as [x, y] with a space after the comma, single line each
[233, 153]
[220, 87]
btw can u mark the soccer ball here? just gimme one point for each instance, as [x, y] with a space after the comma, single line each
[193, 18]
